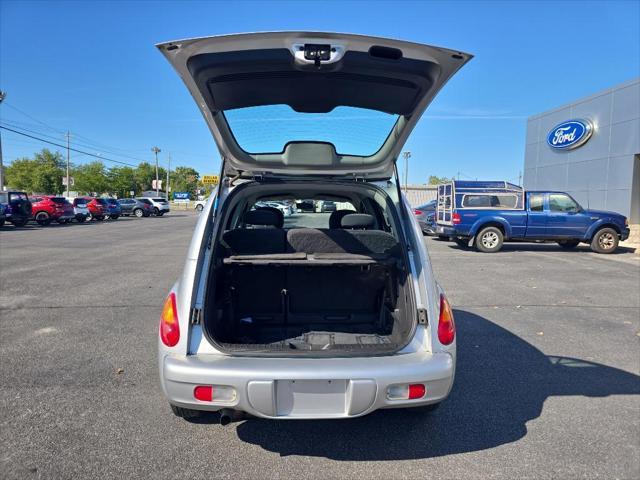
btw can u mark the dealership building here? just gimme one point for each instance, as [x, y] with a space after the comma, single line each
[591, 149]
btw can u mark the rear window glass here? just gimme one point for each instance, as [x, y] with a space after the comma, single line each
[490, 201]
[18, 196]
[144, 200]
[59, 200]
[305, 213]
[351, 130]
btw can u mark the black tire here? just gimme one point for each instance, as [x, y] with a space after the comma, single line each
[185, 413]
[605, 241]
[156, 211]
[138, 212]
[81, 219]
[42, 218]
[19, 222]
[568, 244]
[462, 242]
[489, 240]
[99, 218]
[199, 208]
[114, 217]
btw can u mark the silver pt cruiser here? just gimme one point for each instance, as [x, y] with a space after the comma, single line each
[316, 315]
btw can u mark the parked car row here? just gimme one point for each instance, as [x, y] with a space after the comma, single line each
[18, 208]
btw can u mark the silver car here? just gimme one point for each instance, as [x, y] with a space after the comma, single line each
[339, 314]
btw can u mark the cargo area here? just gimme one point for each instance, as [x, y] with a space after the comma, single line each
[341, 289]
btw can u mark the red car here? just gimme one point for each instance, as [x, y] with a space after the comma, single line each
[46, 208]
[97, 208]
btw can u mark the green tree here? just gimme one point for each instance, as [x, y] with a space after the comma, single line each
[122, 180]
[145, 174]
[41, 174]
[91, 178]
[184, 179]
[434, 180]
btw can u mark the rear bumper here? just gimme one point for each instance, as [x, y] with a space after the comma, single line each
[266, 387]
[445, 230]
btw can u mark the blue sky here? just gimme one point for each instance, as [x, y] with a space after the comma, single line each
[92, 68]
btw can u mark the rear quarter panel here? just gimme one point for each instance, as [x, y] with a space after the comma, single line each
[513, 222]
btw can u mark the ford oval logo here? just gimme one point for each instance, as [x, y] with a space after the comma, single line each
[570, 134]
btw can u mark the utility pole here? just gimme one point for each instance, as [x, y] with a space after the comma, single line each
[2, 97]
[156, 150]
[68, 157]
[407, 156]
[166, 190]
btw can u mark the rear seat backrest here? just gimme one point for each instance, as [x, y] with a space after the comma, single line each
[257, 241]
[361, 242]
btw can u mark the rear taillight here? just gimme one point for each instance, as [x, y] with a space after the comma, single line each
[446, 325]
[169, 328]
[204, 393]
[455, 218]
[417, 212]
[406, 391]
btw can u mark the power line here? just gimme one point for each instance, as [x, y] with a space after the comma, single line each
[15, 124]
[71, 149]
[33, 118]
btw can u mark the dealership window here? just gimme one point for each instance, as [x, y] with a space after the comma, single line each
[562, 203]
[536, 203]
[490, 201]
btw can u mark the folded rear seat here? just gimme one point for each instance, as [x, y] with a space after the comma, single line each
[340, 293]
[256, 290]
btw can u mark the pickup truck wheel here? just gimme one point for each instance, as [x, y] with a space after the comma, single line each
[185, 413]
[43, 218]
[489, 240]
[605, 241]
[568, 244]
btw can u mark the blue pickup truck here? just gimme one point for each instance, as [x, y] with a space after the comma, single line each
[487, 214]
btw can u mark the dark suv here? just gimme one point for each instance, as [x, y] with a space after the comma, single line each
[17, 207]
[133, 206]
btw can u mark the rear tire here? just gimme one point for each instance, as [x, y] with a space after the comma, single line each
[605, 241]
[185, 413]
[138, 212]
[489, 240]
[568, 244]
[43, 219]
[156, 211]
[19, 222]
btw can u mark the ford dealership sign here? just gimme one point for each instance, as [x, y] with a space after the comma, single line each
[570, 134]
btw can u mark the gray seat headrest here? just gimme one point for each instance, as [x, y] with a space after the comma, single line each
[357, 220]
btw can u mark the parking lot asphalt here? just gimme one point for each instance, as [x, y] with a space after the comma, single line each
[547, 381]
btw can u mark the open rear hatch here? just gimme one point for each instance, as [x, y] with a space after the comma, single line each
[352, 83]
